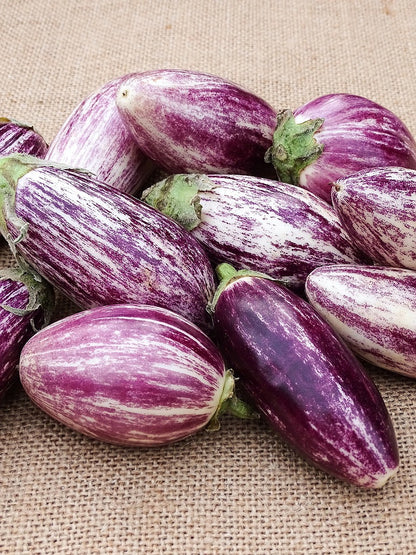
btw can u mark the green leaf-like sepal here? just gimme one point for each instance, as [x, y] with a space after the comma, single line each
[294, 146]
[177, 197]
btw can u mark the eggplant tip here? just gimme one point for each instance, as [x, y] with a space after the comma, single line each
[384, 478]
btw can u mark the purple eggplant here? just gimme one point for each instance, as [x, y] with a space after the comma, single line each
[336, 135]
[100, 246]
[26, 302]
[19, 137]
[303, 379]
[95, 138]
[255, 223]
[188, 121]
[128, 374]
[373, 308]
[376, 208]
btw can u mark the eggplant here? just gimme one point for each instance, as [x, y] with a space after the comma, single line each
[303, 379]
[130, 375]
[188, 121]
[94, 138]
[336, 135]
[373, 308]
[376, 208]
[98, 245]
[26, 304]
[19, 137]
[256, 223]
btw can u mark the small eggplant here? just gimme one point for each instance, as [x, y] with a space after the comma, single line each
[131, 375]
[303, 379]
[98, 245]
[373, 308]
[255, 223]
[336, 135]
[188, 121]
[19, 137]
[94, 138]
[26, 302]
[377, 210]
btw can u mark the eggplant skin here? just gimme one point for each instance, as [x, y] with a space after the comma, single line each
[305, 381]
[130, 375]
[376, 208]
[94, 138]
[188, 121]
[15, 329]
[373, 308]
[99, 246]
[19, 137]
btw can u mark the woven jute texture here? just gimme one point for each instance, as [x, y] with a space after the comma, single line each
[240, 489]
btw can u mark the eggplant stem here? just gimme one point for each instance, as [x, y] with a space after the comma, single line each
[294, 146]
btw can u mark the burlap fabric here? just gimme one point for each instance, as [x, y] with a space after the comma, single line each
[239, 490]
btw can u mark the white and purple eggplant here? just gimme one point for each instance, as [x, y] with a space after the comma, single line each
[94, 138]
[26, 303]
[19, 137]
[373, 308]
[131, 375]
[256, 223]
[188, 121]
[303, 379]
[377, 209]
[98, 245]
[336, 135]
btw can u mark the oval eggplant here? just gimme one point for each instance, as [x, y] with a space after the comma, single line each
[189, 121]
[25, 305]
[19, 137]
[100, 246]
[336, 135]
[132, 375]
[95, 138]
[373, 308]
[376, 208]
[303, 379]
[255, 223]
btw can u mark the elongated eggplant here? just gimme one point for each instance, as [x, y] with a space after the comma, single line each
[373, 308]
[255, 223]
[95, 138]
[189, 121]
[336, 135]
[19, 137]
[303, 379]
[26, 302]
[128, 374]
[376, 208]
[100, 246]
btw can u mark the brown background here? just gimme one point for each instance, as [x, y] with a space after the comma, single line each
[239, 490]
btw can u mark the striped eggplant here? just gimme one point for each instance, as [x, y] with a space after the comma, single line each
[19, 137]
[95, 138]
[376, 208]
[128, 374]
[373, 308]
[98, 245]
[26, 302]
[189, 121]
[303, 379]
[335, 135]
[255, 223]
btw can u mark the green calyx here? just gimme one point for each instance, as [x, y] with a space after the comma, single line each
[41, 293]
[226, 274]
[230, 404]
[177, 196]
[294, 146]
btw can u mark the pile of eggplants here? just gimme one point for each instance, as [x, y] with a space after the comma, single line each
[210, 240]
